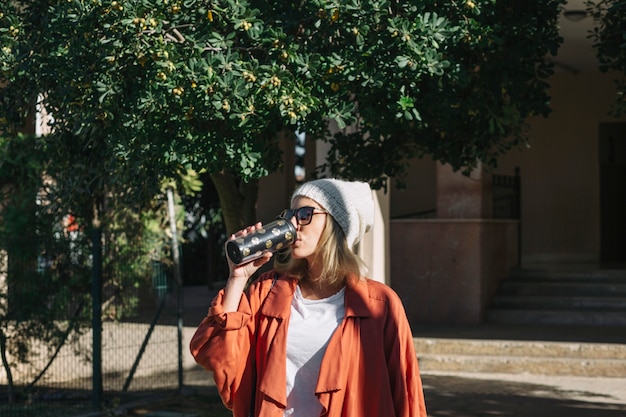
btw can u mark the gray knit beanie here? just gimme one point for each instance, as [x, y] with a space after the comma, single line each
[349, 202]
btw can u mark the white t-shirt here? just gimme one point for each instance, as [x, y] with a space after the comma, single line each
[311, 325]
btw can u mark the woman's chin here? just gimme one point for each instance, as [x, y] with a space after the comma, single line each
[296, 254]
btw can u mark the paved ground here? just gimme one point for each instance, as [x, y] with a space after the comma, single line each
[523, 396]
[452, 395]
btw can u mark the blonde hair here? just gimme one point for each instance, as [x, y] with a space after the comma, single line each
[337, 259]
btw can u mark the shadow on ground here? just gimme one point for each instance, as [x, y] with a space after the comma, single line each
[446, 396]
[462, 397]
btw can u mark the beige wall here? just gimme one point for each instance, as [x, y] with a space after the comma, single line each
[374, 248]
[560, 171]
[419, 196]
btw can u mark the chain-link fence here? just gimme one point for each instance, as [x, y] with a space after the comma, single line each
[47, 336]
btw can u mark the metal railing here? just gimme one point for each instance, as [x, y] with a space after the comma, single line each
[49, 371]
[507, 202]
[507, 196]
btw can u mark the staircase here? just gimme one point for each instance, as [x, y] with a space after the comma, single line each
[553, 321]
[450, 355]
[561, 297]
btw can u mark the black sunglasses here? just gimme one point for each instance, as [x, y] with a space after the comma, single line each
[304, 215]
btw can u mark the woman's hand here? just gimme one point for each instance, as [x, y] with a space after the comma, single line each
[240, 274]
[246, 270]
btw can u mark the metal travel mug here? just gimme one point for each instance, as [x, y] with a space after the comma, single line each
[271, 237]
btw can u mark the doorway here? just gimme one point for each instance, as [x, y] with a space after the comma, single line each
[612, 155]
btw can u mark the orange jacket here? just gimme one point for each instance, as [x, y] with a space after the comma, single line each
[369, 369]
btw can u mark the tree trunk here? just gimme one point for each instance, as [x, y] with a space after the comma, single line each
[250, 193]
[7, 368]
[238, 203]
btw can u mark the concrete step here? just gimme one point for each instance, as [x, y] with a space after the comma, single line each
[563, 317]
[518, 356]
[563, 288]
[557, 296]
[571, 275]
[535, 302]
[513, 365]
[520, 348]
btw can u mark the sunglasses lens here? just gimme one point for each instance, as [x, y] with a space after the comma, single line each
[287, 214]
[304, 215]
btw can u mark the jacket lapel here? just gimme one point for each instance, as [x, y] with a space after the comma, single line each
[278, 301]
[277, 310]
[342, 347]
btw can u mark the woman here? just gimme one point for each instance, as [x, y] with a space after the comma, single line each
[313, 337]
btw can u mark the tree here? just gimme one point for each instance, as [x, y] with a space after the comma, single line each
[146, 91]
[143, 89]
[475, 108]
[609, 37]
[132, 97]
